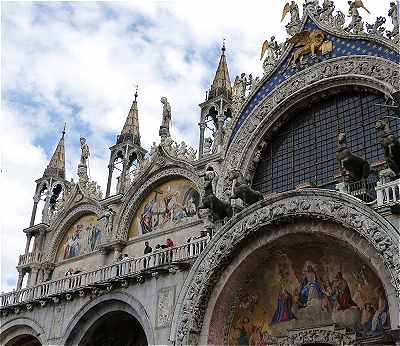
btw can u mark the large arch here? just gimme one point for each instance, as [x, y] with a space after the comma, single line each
[22, 331]
[65, 223]
[191, 313]
[364, 71]
[138, 192]
[117, 304]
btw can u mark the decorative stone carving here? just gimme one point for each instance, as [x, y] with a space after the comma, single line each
[166, 119]
[165, 306]
[326, 13]
[317, 204]
[317, 335]
[394, 15]
[294, 26]
[377, 28]
[108, 223]
[208, 142]
[371, 71]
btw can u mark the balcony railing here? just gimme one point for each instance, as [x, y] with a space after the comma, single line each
[103, 275]
[388, 193]
[31, 257]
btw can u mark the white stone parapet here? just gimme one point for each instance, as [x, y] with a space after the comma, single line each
[31, 257]
[388, 193]
[103, 275]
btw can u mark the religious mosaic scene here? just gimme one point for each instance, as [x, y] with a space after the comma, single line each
[279, 227]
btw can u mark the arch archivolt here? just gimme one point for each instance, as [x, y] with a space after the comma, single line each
[190, 317]
[19, 326]
[65, 223]
[140, 190]
[366, 71]
[95, 309]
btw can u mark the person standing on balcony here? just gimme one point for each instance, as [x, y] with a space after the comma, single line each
[147, 250]
[170, 244]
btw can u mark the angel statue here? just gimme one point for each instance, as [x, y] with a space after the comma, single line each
[271, 48]
[293, 9]
[294, 25]
[85, 153]
[356, 25]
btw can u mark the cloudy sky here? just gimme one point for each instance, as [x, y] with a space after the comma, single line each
[78, 62]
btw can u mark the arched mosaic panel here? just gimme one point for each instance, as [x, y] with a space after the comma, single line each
[165, 206]
[82, 237]
[307, 284]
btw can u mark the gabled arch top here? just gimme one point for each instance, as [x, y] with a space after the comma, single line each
[344, 45]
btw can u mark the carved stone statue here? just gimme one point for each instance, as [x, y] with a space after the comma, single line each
[85, 153]
[353, 168]
[293, 27]
[239, 86]
[391, 146]
[312, 7]
[394, 15]
[241, 188]
[166, 118]
[153, 149]
[108, 218]
[272, 51]
[207, 146]
[219, 209]
[377, 28]
[356, 25]
[328, 6]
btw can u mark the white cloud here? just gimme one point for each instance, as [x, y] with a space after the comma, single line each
[79, 62]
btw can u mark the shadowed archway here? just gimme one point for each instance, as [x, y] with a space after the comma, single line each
[117, 328]
[24, 340]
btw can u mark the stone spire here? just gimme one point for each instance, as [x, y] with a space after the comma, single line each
[56, 166]
[222, 83]
[130, 131]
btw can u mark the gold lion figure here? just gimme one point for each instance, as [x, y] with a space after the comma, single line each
[309, 42]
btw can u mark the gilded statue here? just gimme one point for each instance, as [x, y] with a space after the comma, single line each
[309, 42]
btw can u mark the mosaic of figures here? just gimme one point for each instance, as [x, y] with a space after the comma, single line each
[83, 237]
[312, 287]
[167, 205]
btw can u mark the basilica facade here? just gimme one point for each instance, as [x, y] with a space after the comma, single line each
[281, 228]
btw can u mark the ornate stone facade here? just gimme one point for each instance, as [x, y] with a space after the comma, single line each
[181, 284]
